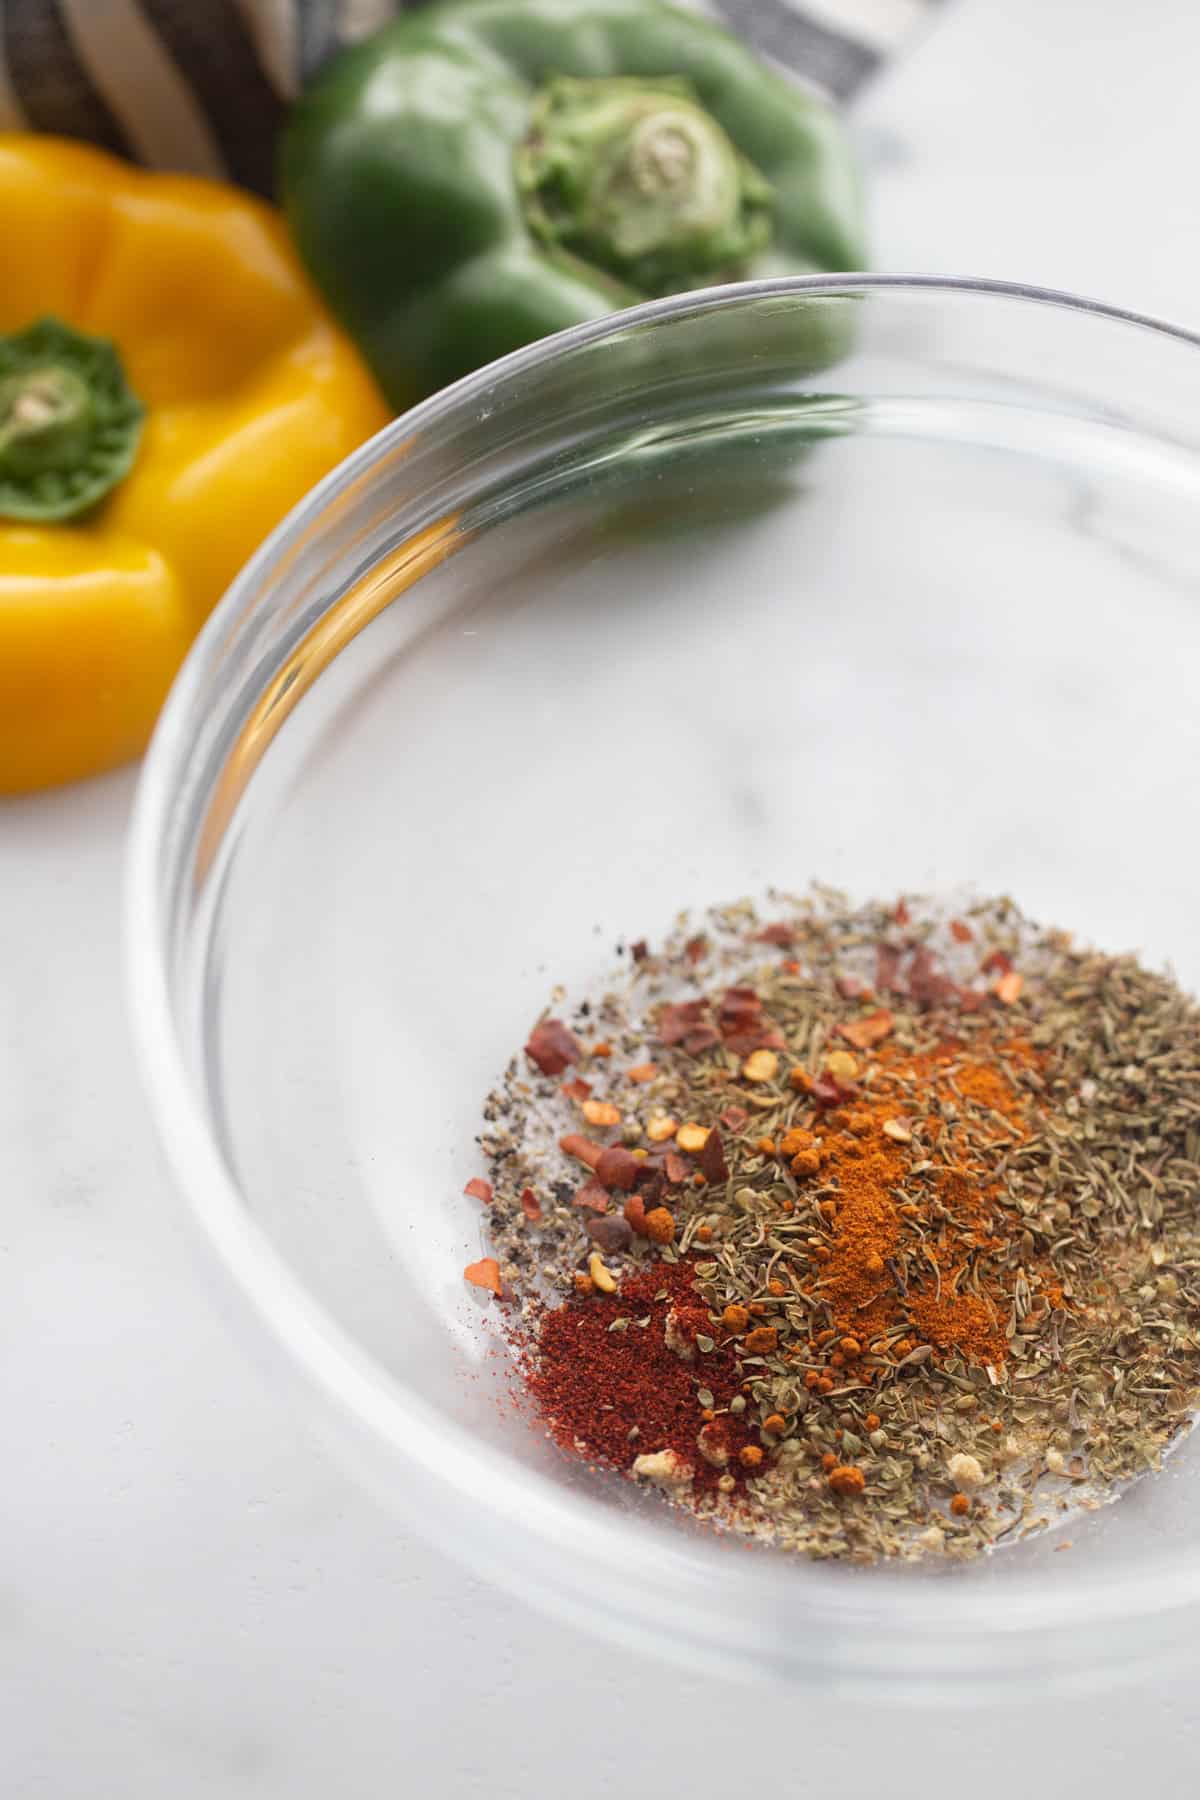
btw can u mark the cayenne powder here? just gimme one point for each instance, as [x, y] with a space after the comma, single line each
[609, 1387]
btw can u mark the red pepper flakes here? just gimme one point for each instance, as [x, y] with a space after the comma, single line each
[618, 1168]
[531, 1206]
[744, 1026]
[927, 984]
[675, 1169]
[677, 1021]
[734, 1118]
[865, 1033]
[651, 1182]
[887, 969]
[601, 1050]
[485, 1274]
[577, 1089]
[782, 934]
[644, 1384]
[996, 963]
[642, 1072]
[479, 1189]
[696, 948]
[828, 1092]
[593, 1194]
[713, 1165]
[740, 1008]
[551, 1046]
[639, 951]
[581, 1148]
[744, 1043]
[791, 966]
[961, 932]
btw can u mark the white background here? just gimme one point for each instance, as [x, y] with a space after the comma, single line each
[192, 1601]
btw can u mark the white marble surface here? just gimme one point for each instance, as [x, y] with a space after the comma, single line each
[192, 1601]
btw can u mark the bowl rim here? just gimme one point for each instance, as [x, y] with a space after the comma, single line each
[587, 1548]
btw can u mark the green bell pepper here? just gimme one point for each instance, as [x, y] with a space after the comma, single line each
[483, 172]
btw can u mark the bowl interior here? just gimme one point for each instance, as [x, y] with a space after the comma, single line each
[661, 616]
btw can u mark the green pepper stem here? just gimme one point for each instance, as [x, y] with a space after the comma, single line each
[636, 177]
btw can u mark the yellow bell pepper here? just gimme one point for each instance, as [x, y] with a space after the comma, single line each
[248, 394]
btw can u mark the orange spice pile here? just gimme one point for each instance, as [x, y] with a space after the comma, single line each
[868, 1153]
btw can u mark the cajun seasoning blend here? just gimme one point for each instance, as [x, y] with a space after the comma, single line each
[869, 1232]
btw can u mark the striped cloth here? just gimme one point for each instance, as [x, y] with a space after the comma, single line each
[202, 85]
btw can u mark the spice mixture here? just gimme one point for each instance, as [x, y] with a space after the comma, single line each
[870, 1232]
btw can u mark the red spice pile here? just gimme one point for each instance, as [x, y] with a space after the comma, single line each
[594, 1385]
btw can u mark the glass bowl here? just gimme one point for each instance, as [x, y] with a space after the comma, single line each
[890, 583]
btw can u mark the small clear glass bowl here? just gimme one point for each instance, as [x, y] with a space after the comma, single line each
[658, 613]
